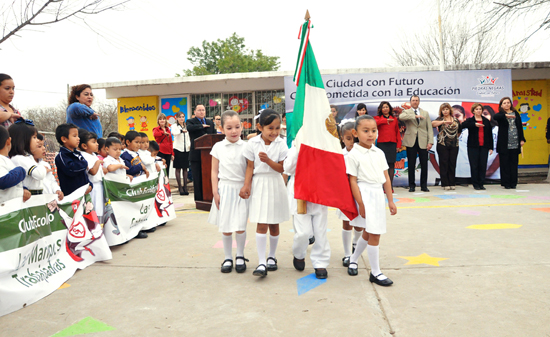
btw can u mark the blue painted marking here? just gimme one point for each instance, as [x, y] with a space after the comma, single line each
[291, 230]
[328, 229]
[307, 283]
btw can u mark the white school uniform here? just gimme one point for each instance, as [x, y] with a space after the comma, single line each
[97, 195]
[6, 165]
[339, 213]
[50, 184]
[269, 200]
[35, 173]
[368, 165]
[313, 223]
[233, 213]
[147, 160]
[110, 161]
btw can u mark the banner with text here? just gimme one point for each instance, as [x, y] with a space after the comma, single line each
[138, 114]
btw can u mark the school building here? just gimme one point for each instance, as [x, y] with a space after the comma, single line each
[140, 102]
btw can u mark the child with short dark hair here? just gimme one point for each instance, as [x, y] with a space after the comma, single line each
[71, 165]
[145, 155]
[11, 176]
[101, 152]
[88, 147]
[120, 137]
[131, 157]
[50, 184]
[112, 163]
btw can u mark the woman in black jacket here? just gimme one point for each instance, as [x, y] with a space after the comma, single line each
[509, 142]
[480, 145]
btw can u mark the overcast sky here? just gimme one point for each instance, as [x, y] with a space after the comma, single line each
[149, 39]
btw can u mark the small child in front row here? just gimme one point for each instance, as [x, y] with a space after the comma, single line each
[153, 149]
[146, 158]
[346, 132]
[367, 170]
[88, 147]
[50, 184]
[101, 151]
[112, 163]
[11, 176]
[229, 211]
[265, 155]
[71, 165]
[24, 144]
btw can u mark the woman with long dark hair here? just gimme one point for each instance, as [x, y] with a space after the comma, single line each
[509, 142]
[389, 138]
[79, 111]
[447, 145]
[8, 114]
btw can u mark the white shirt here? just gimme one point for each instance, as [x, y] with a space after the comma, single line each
[276, 151]
[147, 160]
[6, 165]
[110, 161]
[368, 165]
[232, 164]
[182, 142]
[91, 159]
[50, 184]
[35, 173]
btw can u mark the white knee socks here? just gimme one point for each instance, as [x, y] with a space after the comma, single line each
[356, 236]
[374, 260]
[261, 241]
[273, 241]
[241, 241]
[359, 249]
[227, 246]
[346, 239]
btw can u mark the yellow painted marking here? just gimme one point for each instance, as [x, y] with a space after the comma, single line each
[494, 226]
[423, 259]
[64, 285]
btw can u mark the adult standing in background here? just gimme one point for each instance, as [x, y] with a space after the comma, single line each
[418, 139]
[447, 145]
[8, 114]
[163, 137]
[218, 124]
[197, 127]
[79, 111]
[509, 142]
[182, 146]
[389, 138]
[480, 145]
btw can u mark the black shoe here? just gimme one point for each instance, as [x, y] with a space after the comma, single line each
[185, 193]
[385, 283]
[141, 235]
[240, 268]
[482, 188]
[227, 269]
[353, 247]
[321, 273]
[312, 240]
[411, 189]
[353, 271]
[345, 261]
[272, 267]
[260, 272]
[477, 188]
[508, 187]
[162, 224]
[150, 230]
[424, 189]
[300, 265]
[513, 187]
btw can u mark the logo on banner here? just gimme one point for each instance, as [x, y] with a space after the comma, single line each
[487, 86]
[161, 195]
[78, 230]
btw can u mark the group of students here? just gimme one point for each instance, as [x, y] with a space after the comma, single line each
[83, 160]
[248, 184]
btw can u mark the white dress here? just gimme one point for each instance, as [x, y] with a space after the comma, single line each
[232, 216]
[50, 184]
[269, 199]
[368, 165]
[97, 195]
[339, 213]
[35, 172]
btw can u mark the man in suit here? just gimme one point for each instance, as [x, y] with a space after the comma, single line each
[419, 140]
[197, 127]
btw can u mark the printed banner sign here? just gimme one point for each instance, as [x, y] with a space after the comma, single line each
[138, 114]
[43, 243]
[170, 106]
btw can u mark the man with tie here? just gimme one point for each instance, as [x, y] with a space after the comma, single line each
[197, 127]
[418, 139]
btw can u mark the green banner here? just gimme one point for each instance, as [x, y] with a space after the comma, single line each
[132, 193]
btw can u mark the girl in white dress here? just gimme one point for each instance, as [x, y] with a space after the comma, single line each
[368, 171]
[265, 156]
[88, 147]
[229, 211]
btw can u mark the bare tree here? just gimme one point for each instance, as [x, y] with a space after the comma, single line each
[17, 15]
[461, 45]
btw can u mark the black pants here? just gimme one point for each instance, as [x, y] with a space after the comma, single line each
[168, 158]
[447, 164]
[197, 179]
[478, 164]
[509, 167]
[411, 158]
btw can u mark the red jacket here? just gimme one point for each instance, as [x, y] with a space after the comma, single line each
[388, 132]
[164, 141]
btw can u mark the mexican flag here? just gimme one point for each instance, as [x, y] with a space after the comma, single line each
[321, 171]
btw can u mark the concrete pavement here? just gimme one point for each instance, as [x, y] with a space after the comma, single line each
[470, 282]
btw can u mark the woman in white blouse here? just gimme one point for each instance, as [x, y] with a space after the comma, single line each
[182, 146]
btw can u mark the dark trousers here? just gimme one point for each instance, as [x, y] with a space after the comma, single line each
[447, 164]
[197, 179]
[411, 158]
[168, 158]
[509, 167]
[478, 164]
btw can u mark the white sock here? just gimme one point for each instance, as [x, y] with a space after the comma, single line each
[241, 241]
[346, 239]
[359, 249]
[356, 236]
[261, 241]
[273, 241]
[227, 246]
[374, 260]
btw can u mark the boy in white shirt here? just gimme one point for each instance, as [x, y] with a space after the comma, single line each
[11, 177]
[113, 163]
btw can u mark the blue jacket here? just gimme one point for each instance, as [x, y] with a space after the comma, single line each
[13, 178]
[79, 114]
[133, 163]
[71, 170]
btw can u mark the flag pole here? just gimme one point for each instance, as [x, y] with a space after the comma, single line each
[302, 204]
[441, 60]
